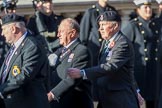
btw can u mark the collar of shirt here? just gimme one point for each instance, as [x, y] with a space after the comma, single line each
[112, 39]
[17, 44]
[67, 46]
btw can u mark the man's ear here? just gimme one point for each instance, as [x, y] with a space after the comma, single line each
[13, 29]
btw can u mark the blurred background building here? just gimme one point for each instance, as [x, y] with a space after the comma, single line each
[76, 8]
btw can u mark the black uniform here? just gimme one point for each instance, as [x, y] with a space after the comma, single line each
[145, 36]
[89, 34]
[46, 26]
[160, 22]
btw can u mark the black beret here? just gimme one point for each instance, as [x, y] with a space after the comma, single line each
[10, 18]
[109, 16]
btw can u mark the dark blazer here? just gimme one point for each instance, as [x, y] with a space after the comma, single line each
[89, 34]
[145, 36]
[24, 86]
[69, 92]
[114, 75]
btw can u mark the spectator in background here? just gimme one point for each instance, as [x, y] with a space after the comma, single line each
[45, 23]
[68, 92]
[160, 22]
[144, 33]
[160, 8]
[8, 6]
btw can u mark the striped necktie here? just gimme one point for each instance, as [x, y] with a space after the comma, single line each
[6, 64]
[106, 49]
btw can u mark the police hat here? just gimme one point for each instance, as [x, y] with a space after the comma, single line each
[10, 18]
[47, 0]
[8, 4]
[142, 2]
[159, 1]
[43, 0]
[109, 16]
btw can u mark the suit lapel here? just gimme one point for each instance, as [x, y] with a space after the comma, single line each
[2, 67]
[103, 57]
[15, 55]
[69, 50]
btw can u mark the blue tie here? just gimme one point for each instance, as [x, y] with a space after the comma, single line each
[6, 64]
[106, 49]
[64, 49]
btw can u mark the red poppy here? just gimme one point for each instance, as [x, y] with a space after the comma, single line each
[112, 44]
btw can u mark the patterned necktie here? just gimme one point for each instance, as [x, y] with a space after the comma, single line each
[106, 49]
[64, 49]
[63, 52]
[6, 64]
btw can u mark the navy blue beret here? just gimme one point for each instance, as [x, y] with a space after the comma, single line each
[109, 16]
[10, 18]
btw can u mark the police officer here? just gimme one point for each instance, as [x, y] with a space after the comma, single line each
[8, 6]
[144, 32]
[89, 34]
[160, 21]
[45, 23]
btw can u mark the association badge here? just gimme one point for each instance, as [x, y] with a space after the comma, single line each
[15, 71]
[71, 57]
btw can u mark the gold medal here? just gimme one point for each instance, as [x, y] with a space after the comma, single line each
[15, 71]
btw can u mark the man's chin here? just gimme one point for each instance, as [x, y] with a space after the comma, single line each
[48, 12]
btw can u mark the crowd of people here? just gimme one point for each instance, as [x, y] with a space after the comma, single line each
[50, 61]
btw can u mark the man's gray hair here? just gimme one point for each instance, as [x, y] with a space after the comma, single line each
[73, 24]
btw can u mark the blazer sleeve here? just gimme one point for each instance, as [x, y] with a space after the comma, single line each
[121, 53]
[80, 61]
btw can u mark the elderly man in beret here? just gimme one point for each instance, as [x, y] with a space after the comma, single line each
[24, 71]
[114, 74]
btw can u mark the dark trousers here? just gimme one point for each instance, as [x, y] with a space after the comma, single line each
[151, 104]
[99, 105]
[2, 105]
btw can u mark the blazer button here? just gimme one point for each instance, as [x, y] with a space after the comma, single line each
[100, 40]
[156, 59]
[146, 58]
[144, 41]
[145, 49]
[143, 32]
[156, 50]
